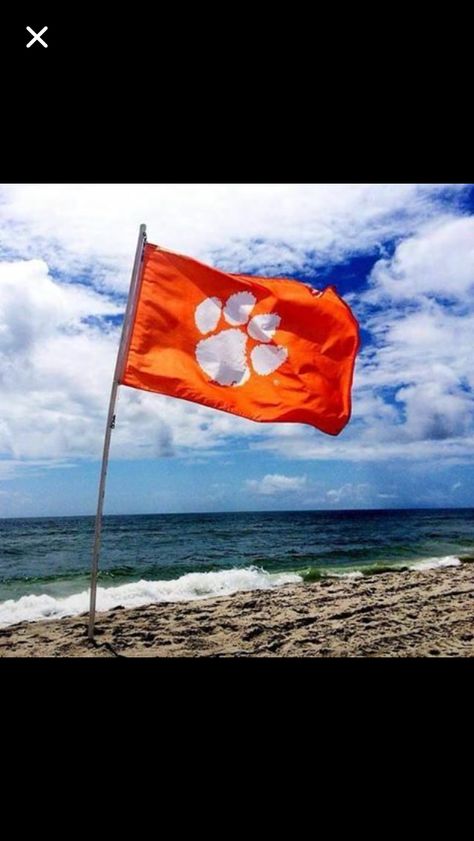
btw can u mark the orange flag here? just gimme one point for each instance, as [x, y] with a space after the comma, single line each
[268, 349]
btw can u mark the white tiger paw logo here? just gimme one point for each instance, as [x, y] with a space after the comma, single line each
[223, 356]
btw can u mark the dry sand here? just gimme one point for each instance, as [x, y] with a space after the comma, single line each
[402, 614]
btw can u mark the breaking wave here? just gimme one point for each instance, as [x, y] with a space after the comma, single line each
[194, 585]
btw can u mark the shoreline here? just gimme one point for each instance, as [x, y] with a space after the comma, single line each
[395, 614]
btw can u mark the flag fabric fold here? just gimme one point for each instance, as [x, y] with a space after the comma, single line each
[267, 349]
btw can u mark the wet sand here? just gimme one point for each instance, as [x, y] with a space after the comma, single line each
[394, 614]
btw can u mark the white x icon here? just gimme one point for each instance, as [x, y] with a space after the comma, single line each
[37, 36]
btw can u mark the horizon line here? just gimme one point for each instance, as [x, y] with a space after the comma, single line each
[246, 511]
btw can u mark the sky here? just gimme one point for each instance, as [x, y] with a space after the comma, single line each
[401, 255]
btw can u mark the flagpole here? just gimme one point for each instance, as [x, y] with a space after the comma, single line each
[123, 348]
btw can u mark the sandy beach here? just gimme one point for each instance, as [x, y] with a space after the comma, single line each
[394, 614]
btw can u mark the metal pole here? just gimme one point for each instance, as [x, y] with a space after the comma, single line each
[121, 355]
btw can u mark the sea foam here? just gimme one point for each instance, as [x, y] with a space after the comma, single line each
[194, 585]
[434, 563]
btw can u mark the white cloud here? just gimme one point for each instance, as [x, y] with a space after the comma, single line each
[436, 410]
[439, 260]
[314, 447]
[274, 227]
[424, 335]
[10, 468]
[32, 305]
[275, 483]
[349, 493]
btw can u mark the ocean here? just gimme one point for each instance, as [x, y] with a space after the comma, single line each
[45, 562]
